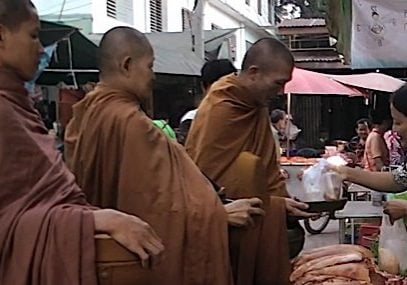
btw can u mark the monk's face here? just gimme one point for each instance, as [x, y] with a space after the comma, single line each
[142, 75]
[269, 83]
[20, 47]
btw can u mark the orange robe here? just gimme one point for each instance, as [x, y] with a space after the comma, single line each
[229, 121]
[122, 161]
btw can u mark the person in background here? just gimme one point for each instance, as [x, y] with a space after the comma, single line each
[396, 152]
[394, 181]
[279, 120]
[357, 144]
[210, 72]
[278, 126]
[47, 228]
[376, 153]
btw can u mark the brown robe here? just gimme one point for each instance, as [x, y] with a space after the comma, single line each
[230, 121]
[46, 226]
[122, 161]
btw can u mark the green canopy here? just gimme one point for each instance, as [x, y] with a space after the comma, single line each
[75, 52]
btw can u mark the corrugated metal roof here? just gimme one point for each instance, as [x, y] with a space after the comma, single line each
[316, 55]
[317, 58]
[297, 23]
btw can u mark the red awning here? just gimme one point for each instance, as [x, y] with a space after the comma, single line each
[314, 83]
[373, 81]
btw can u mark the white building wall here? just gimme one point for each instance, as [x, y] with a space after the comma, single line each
[98, 10]
[140, 15]
[102, 22]
[214, 16]
[249, 11]
[251, 36]
[173, 11]
[216, 12]
[222, 19]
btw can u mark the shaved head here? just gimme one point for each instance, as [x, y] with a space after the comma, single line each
[267, 67]
[126, 61]
[266, 54]
[119, 43]
[15, 12]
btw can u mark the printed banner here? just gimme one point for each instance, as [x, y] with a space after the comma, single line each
[379, 33]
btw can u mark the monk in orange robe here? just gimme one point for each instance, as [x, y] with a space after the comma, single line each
[47, 228]
[121, 160]
[233, 118]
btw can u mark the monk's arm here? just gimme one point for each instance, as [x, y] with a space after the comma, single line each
[131, 232]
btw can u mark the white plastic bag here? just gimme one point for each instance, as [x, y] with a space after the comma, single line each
[321, 185]
[292, 131]
[393, 246]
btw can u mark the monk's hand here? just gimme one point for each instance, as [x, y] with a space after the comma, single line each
[396, 209]
[131, 232]
[297, 209]
[241, 212]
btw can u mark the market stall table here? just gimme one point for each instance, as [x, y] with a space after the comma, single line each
[355, 189]
[355, 210]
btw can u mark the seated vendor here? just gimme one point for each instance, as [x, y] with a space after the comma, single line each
[357, 143]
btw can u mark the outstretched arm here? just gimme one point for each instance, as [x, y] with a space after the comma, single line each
[380, 181]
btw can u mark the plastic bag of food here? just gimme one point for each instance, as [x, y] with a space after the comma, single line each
[393, 246]
[320, 184]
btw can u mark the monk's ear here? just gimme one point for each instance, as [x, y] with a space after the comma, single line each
[253, 71]
[125, 65]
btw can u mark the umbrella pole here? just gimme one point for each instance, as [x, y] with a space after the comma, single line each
[287, 127]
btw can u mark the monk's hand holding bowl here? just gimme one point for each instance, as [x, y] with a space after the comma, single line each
[297, 209]
[131, 232]
[241, 212]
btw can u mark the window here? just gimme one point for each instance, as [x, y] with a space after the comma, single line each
[111, 8]
[247, 2]
[156, 11]
[259, 7]
[186, 19]
[121, 10]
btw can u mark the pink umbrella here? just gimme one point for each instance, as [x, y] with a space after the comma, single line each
[314, 83]
[373, 81]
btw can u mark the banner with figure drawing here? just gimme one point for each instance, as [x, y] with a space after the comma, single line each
[379, 33]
